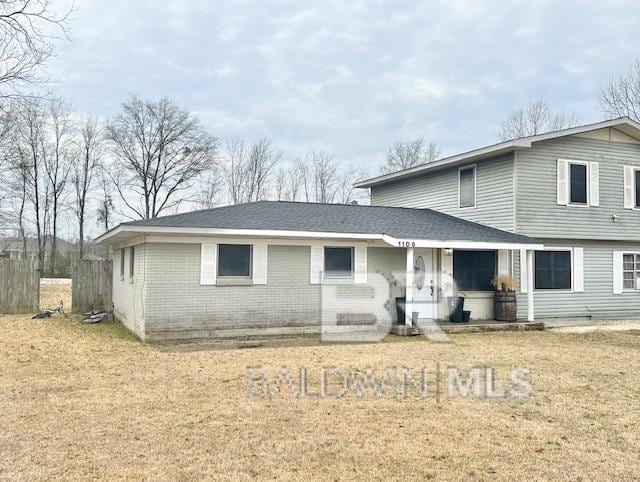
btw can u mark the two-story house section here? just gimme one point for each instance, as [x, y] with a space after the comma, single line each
[577, 191]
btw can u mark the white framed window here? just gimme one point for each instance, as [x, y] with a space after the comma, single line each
[122, 254]
[631, 271]
[338, 261]
[559, 269]
[553, 270]
[234, 260]
[578, 183]
[467, 184]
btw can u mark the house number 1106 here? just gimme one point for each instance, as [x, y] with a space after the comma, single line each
[407, 244]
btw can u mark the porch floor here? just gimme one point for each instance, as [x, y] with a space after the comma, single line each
[473, 326]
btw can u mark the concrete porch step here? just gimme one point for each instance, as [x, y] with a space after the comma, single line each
[471, 327]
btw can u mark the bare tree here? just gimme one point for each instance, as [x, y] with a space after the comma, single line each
[407, 154]
[324, 176]
[534, 118]
[17, 183]
[160, 151]
[282, 193]
[105, 206]
[346, 193]
[88, 155]
[235, 155]
[57, 164]
[7, 124]
[248, 169]
[211, 188]
[621, 97]
[26, 41]
[31, 140]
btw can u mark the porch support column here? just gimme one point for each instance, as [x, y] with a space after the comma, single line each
[530, 286]
[408, 307]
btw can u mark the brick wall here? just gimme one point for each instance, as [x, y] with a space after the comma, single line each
[129, 293]
[175, 301]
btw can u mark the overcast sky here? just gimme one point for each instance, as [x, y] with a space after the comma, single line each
[348, 76]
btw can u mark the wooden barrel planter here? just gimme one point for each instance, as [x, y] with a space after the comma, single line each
[505, 308]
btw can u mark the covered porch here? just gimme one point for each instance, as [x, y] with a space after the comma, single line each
[432, 279]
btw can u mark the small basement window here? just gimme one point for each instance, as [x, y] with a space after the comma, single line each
[338, 261]
[234, 260]
[553, 270]
[474, 270]
[578, 179]
[631, 271]
[132, 258]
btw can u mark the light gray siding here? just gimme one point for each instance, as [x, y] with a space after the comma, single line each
[597, 300]
[439, 190]
[175, 303]
[537, 211]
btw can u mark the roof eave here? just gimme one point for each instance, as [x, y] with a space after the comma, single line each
[471, 156]
[623, 124]
[126, 232]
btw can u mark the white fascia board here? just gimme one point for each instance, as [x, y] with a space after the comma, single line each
[258, 233]
[623, 124]
[426, 243]
[477, 154]
[108, 238]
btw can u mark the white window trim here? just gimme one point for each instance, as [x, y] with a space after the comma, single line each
[573, 276]
[122, 263]
[243, 277]
[588, 182]
[475, 185]
[628, 290]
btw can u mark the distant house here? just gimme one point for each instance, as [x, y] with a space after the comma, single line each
[13, 248]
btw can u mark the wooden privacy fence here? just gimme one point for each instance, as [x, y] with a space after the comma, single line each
[91, 285]
[19, 286]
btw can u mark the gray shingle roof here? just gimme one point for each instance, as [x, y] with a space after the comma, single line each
[401, 223]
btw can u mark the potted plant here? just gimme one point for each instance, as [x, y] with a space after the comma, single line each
[504, 304]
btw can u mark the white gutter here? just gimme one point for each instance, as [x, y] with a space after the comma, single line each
[262, 233]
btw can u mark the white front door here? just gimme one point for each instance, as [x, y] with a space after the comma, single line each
[423, 284]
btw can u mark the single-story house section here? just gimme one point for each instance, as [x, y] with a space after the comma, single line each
[262, 267]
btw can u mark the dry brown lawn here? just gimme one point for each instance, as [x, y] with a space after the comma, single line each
[83, 402]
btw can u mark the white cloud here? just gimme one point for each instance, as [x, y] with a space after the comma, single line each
[225, 70]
